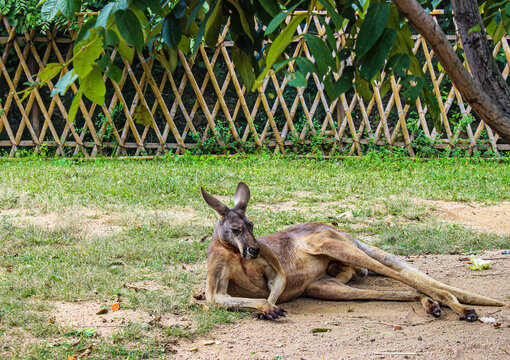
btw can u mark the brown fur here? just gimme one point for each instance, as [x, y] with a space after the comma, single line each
[311, 259]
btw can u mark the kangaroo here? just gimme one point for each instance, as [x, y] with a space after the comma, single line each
[313, 260]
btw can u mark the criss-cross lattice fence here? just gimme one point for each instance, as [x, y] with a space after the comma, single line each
[203, 106]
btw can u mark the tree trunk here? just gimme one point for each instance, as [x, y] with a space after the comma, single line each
[488, 105]
[478, 53]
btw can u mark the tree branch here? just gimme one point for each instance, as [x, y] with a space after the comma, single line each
[486, 107]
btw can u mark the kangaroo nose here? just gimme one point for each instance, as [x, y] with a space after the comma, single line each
[254, 251]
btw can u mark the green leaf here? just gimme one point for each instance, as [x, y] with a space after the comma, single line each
[399, 63]
[129, 28]
[104, 15]
[114, 73]
[363, 87]
[171, 31]
[63, 84]
[278, 46]
[330, 35]
[277, 66]
[498, 33]
[372, 27]
[416, 67]
[154, 5]
[49, 9]
[413, 91]
[93, 85]
[111, 38]
[296, 79]
[194, 13]
[333, 14]
[321, 53]
[85, 54]
[142, 115]
[84, 32]
[69, 7]
[201, 30]
[244, 68]
[345, 82]
[124, 50]
[180, 9]
[306, 66]
[74, 105]
[213, 27]
[275, 23]
[476, 28]
[49, 72]
[244, 21]
[376, 56]
[432, 107]
[28, 91]
[270, 6]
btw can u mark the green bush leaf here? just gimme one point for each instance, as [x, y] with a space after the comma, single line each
[332, 12]
[142, 115]
[213, 27]
[376, 56]
[129, 28]
[104, 15]
[180, 9]
[69, 7]
[297, 79]
[50, 71]
[93, 85]
[242, 61]
[321, 53]
[63, 84]
[306, 66]
[114, 73]
[85, 54]
[372, 27]
[49, 9]
[154, 5]
[345, 82]
[278, 46]
[277, 20]
[399, 63]
[171, 31]
[74, 106]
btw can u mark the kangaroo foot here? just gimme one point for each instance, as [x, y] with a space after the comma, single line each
[431, 307]
[469, 315]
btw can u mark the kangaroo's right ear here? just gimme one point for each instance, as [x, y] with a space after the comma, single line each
[217, 205]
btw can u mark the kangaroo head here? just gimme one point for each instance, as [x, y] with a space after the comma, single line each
[233, 227]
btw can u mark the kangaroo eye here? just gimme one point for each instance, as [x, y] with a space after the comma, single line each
[236, 231]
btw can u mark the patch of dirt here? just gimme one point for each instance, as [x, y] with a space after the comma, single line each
[86, 221]
[489, 218]
[91, 222]
[83, 314]
[364, 329]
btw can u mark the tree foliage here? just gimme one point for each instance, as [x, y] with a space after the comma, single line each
[377, 37]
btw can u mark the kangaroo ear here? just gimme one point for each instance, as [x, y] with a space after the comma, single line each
[241, 197]
[217, 205]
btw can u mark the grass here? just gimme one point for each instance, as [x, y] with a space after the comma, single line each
[155, 224]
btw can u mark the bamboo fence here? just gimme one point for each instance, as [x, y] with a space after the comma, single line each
[203, 105]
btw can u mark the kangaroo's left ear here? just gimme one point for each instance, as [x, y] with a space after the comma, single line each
[241, 197]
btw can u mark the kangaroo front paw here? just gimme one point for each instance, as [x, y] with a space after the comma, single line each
[270, 312]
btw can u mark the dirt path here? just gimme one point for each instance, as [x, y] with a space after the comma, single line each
[364, 330]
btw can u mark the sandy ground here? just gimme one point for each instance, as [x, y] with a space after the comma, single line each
[364, 329]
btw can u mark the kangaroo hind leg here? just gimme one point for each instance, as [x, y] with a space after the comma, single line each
[332, 244]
